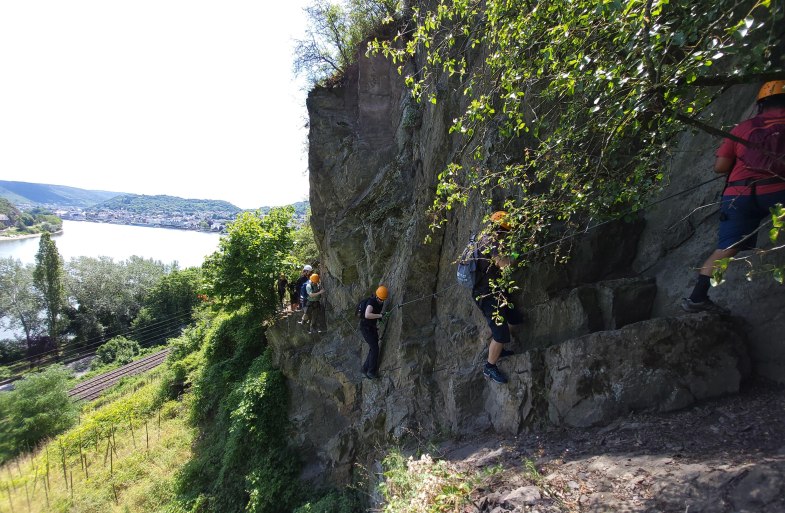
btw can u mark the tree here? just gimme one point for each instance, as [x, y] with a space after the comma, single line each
[109, 294]
[168, 306]
[38, 407]
[570, 107]
[20, 305]
[49, 279]
[119, 350]
[244, 270]
[305, 250]
[334, 34]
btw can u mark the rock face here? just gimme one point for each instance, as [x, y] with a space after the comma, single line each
[602, 336]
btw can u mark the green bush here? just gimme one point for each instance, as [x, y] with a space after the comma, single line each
[119, 350]
[38, 407]
[241, 462]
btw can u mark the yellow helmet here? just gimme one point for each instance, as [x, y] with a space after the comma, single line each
[499, 218]
[771, 88]
[381, 292]
[314, 278]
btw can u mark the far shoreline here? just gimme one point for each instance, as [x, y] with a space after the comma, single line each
[26, 235]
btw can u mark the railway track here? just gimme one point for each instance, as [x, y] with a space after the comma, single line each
[92, 388]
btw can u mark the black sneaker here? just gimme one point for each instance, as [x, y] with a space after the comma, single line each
[688, 305]
[506, 352]
[494, 373]
[371, 375]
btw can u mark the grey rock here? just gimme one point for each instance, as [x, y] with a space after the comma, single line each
[651, 365]
[525, 495]
[758, 488]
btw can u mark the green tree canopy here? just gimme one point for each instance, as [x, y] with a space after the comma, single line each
[244, 270]
[334, 33]
[49, 279]
[168, 306]
[39, 407]
[119, 350]
[20, 304]
[108, 295]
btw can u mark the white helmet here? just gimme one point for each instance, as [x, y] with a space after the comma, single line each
[307, 268]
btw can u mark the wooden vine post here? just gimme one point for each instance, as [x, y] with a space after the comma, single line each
[10, 502]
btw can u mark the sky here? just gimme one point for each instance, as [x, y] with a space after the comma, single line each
[190, 98]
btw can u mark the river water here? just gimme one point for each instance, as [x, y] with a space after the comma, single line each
[79, 238]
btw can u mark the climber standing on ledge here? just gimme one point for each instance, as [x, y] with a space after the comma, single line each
[492, 302]
[371, 312]
[756, 182]
[314, 309]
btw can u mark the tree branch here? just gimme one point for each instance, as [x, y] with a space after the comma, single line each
[727, 80]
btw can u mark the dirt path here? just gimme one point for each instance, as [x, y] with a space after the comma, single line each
[721, 456]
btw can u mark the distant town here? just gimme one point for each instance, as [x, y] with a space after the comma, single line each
[158, 211]
[201, 221]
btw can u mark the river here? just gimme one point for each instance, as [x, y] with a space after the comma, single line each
[79, 238]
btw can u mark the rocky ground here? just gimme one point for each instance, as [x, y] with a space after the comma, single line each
[725, 455]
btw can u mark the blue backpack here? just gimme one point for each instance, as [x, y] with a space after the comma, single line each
[304, 291]
[467, 264]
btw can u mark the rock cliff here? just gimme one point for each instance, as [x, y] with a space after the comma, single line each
[604, 335]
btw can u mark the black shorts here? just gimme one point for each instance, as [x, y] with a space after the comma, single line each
[489, 305]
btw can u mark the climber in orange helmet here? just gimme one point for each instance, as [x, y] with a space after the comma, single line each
[755, 183]
[370, 311]
[314, 310]
[492, 302]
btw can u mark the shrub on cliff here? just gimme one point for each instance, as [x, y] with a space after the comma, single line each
[241, 461]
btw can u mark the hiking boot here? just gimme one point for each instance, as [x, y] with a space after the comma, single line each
[494, 373]
[688, 305]
[371, 375]
[505, 353]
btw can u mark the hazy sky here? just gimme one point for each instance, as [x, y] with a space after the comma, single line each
[191, 98]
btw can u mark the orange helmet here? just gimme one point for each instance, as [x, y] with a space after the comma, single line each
[771, 88]
[314, 278]
[381, 292]
[499, 218]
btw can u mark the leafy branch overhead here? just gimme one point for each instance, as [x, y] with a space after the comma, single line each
[570, 107]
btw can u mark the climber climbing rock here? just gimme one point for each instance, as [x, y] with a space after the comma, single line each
[371, 311]
[756, 182]
[492, 302]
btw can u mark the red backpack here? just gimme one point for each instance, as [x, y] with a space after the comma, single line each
[766, 153]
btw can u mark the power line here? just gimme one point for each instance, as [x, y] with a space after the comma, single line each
[157, 328]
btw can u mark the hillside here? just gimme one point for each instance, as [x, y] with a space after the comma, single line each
[53, 195]
[9, 210]
[167, 205]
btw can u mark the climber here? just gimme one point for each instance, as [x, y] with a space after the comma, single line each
[756, 182]
[314, 310]
[492, 302]
[304, 275]
[282, 285]
[371, 312]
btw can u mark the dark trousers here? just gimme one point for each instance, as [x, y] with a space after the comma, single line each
[371, 336]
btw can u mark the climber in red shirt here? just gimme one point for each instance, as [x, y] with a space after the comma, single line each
[756, 182]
